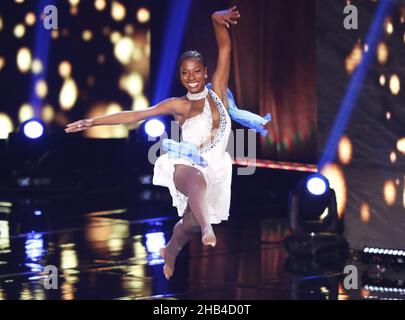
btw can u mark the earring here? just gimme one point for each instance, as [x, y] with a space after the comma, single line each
[206, 77]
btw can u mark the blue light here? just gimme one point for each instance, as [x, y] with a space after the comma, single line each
[155, 241]
[34, 246]
[317, 185]
[174, 31]
[37, 212]
[154, 128]
[33, 129]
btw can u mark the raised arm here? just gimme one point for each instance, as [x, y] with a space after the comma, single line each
[166, 107]
[222, 21]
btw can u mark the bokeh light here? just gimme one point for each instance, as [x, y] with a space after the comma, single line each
[74, 2]
[395, 84]
[113, 108]
[36, 66]
[2, 62]
[354, 58]
[6, 125]
[140, 103]
[401, 145]
[19, 31]
[133, 84]
[30, 19]
[25, 113]
[390, 192]
[365, 213]
[100, 5]
[382, 53]
[118, 11]
[87, 35]
[123, 50]
[47, 113]
[24, 59]
[105, 132]
[345, 150]
[115, 36]
[389, 26]
[393, 157]
[68, 94]
[337, 181]
[65, 69]
[143, 15]
[382, 80]
[41, 88]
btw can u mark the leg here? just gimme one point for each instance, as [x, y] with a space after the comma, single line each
[191, 182]
[183, 231]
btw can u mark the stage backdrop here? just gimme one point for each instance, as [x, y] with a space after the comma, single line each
[368, 172]
[273, 68]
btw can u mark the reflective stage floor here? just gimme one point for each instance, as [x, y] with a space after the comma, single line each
[113, 254]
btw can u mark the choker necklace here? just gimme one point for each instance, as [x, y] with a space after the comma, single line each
[197, 96]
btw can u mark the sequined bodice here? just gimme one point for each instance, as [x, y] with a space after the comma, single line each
[197, 130]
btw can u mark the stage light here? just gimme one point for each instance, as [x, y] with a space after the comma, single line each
[33, 129]
[38, 212]
[154, 128]
[155, 241]
[314, 220]
[313, 206]
[34, 246]
[317, 185]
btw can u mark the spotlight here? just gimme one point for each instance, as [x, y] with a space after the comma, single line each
[155, 241]
[154, 128]
[313, 206]
[314, 221]
[317, 185]
[33, 129]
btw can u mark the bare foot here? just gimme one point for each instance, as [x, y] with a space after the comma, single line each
[168, 267]
[208, 236]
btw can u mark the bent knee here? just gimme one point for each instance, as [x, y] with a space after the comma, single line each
[197, 180]
[187, 178]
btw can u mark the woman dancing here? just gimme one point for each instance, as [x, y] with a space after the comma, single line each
[198, 179]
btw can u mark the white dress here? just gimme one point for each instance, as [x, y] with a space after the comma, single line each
[218, 173]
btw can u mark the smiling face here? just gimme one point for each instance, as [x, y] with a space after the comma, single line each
[192, 75]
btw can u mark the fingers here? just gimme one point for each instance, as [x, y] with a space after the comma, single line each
[76, 126]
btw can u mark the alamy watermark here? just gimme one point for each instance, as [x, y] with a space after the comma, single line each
[51, 17]
[351, 281]
[351, 21]
[51, 277]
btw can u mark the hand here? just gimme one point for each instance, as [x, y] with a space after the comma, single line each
[226, 17]
[79, 125]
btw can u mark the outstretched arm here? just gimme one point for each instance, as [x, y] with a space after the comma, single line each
[166, 107]
[222, 21]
